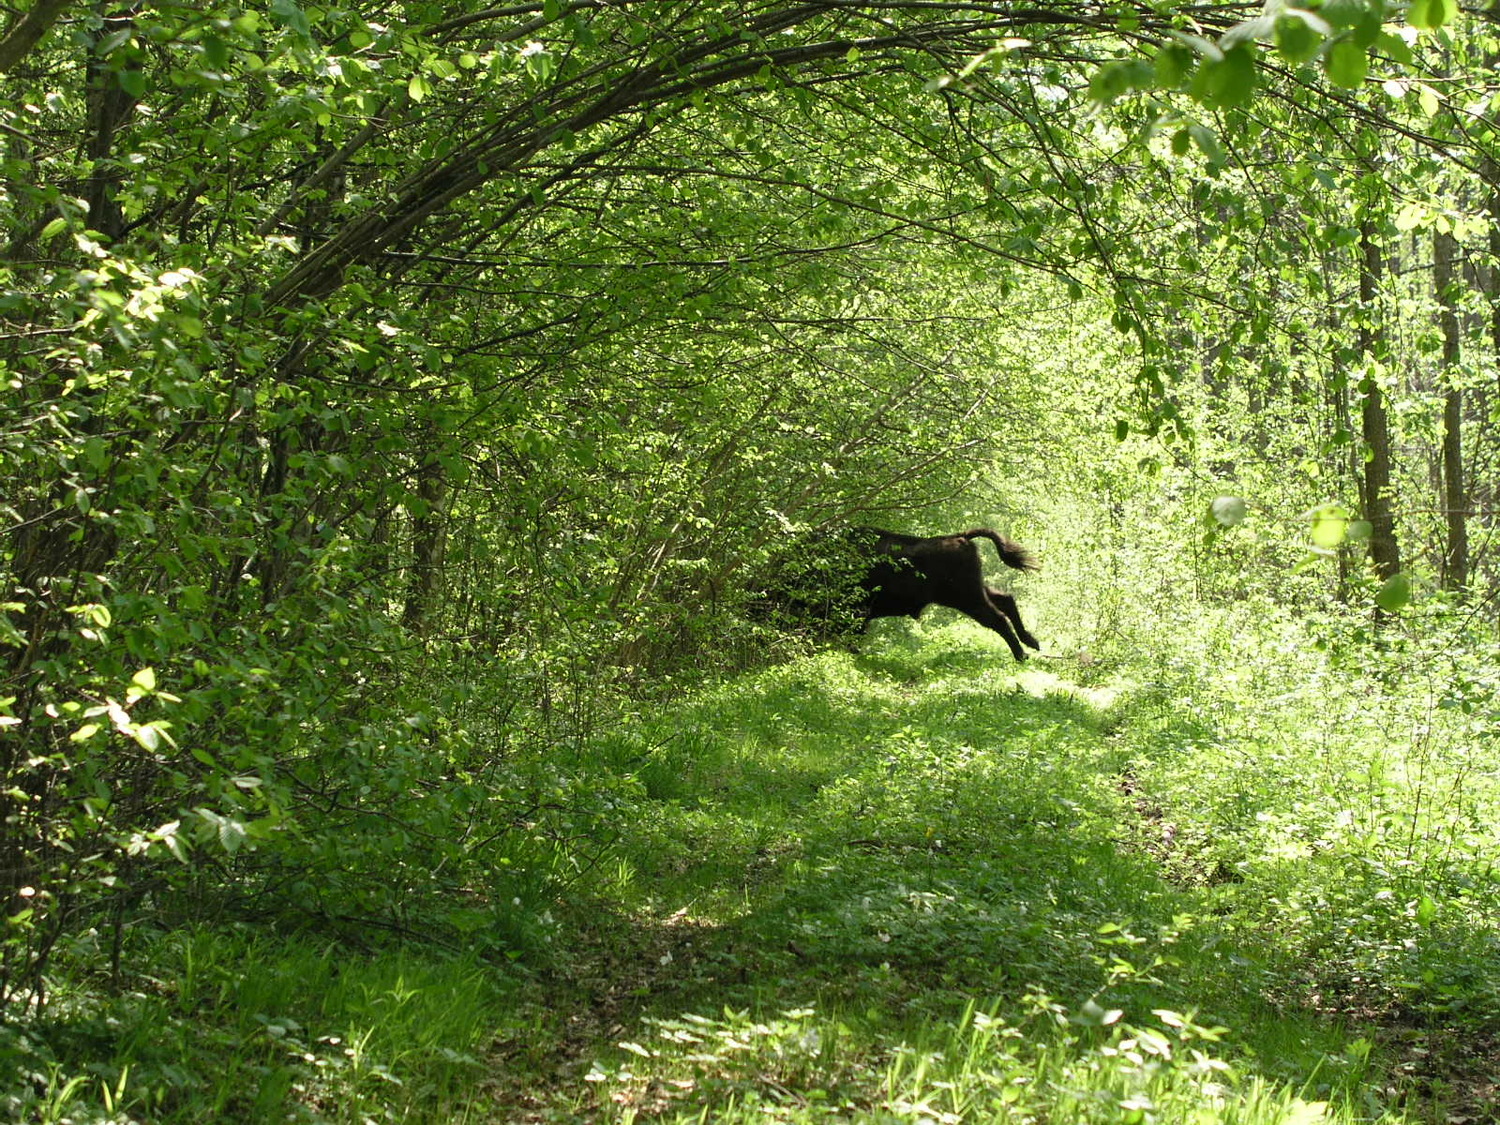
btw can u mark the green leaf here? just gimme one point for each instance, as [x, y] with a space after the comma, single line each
[1394, 48]
[133, 82]
[1368, 27]
[292, 16]
[1352, 13]
[1120, 78]
[1174, 63]
[1204, 48]
[231, 832]
[1430, 14]
[1426, 911]
[1346, 64]
[1394, 593]
[1208, 144]
[1298, 37]
[145, 679]
[1330, 526]
[540, 64]
[1229, 81]
[1247, 31]
[215, 52]
[174, 843]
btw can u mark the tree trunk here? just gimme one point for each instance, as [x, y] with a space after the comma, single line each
[1374, 422]
[1491, 173]
[1340, 424]
[109, 106]
[1455, 489]
[429, 528]
[27, 31]
[1484, 394]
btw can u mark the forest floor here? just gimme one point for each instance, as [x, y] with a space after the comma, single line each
[917, 883]
[921, 884]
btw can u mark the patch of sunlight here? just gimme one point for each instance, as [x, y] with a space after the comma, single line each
[1041, 683]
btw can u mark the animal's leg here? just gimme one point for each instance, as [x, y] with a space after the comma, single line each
[1006, 604]
[982, 610]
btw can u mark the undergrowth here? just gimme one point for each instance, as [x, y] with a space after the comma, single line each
[937, 904]
[226, 1025]
[914, 883]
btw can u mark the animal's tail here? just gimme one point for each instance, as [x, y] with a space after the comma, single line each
[1012, 554]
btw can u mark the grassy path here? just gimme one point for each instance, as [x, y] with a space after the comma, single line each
[914, 885]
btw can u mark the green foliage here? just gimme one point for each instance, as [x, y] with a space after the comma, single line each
[250, 511]
[397, 402]
[232, 1027]
[977, 1068]
[1431, 13]
[901, 882]
[1138, 896]
[1277, 784]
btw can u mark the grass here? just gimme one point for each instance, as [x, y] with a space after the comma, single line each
[233, 1027]
[916, 884]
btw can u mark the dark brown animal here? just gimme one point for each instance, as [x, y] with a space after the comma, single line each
[911, 572]
[855, 575]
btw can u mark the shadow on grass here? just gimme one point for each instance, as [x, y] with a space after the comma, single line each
[888, 839]
[906, 814]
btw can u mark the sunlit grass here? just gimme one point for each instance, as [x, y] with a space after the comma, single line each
[913, 883]
[229, 1028]
[952, 918]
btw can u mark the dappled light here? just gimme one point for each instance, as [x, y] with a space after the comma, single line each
[909, 878]
[486, 633]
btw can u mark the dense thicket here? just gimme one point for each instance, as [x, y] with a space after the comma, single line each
[390, 390]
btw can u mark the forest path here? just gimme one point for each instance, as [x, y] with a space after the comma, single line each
[845, 856]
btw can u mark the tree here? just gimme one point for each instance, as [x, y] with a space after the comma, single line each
[552, 302]
[1375, 485]
[1455, 492]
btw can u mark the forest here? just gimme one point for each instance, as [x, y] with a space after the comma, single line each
[404, 405]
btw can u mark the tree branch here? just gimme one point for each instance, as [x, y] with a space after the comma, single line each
[27, 32]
